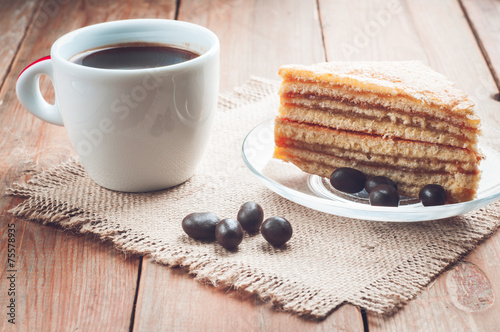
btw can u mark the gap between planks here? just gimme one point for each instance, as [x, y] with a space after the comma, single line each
[141, 259]
[484, 52]
[134, 304]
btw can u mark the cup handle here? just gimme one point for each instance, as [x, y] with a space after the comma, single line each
[28, 91]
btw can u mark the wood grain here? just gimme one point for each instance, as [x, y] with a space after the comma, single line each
[462, 299]
[469, 287]
[66, 282]
[483, 17]
[258, 36]
[171, 299]
[369, 31]
[15, 16]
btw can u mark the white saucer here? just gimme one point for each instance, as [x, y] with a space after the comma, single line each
[316, 193]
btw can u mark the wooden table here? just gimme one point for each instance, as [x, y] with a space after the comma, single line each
[67, 282]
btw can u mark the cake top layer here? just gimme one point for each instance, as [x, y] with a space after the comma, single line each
[410, 79]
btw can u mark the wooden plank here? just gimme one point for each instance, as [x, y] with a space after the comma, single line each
[483, 16]
[168, 297]
[262, 37]
[452, 49]
[437, 34]
[462, 299]
[15, 16]
[66, 282]
[369, 31]
[258, 36]
[63, 282]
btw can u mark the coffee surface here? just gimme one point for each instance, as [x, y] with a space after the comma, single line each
[133, 56]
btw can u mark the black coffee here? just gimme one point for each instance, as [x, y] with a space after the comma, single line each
[133, 56]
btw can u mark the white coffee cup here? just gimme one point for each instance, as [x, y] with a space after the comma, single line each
[134, 130]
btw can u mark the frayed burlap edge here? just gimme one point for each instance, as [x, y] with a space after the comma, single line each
[385, 296]
[380, 297]
[285, 295]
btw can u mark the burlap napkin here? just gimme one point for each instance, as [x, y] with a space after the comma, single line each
[329, 260]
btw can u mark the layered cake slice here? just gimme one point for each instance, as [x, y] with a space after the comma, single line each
[401, 120]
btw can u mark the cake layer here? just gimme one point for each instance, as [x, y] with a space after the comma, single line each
[317, 90]
[409, 80]
[383, 127]
[397, 116]
[371, 144]
[459, 187]
[383, 160]
[319, 150]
